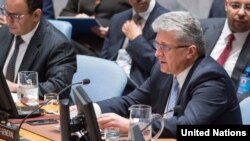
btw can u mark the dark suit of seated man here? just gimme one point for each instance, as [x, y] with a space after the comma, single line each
[206, 93]
[44, 49]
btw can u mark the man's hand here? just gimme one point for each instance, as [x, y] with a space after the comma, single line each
[12, 86]
[113, 120]
[131, 29]
[100, 31]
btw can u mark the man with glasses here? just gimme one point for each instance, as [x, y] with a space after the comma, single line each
[42, 47]
[217, 31]
[185, 86]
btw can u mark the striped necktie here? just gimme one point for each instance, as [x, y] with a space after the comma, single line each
[10, 72]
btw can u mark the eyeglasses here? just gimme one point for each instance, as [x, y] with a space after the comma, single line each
[166, 48]
[237, 6]
[13, 16]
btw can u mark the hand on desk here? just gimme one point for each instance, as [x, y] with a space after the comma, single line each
[113, 120]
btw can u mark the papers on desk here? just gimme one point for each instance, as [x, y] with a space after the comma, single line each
[81, 25]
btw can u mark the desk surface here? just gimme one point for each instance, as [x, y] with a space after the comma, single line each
[48, 133]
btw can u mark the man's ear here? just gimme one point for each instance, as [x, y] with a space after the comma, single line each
[192, 51]
[37, 14]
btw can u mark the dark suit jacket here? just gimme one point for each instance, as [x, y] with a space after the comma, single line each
[212, 29]
[141, 49]
[49, 53]
[48, 9]
[207, 97]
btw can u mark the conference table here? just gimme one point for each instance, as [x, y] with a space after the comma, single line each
[48, 132]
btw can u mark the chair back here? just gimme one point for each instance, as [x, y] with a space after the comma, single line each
[107, 79]
[245, 111]
[63, 26]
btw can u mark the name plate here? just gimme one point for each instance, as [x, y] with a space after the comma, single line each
[10, 133]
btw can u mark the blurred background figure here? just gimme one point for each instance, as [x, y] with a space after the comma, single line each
[103, 10]
[48, 9]
[200, 9]
[217, 9]
[2, 17]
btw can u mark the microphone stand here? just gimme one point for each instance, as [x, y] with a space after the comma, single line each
[85, 81]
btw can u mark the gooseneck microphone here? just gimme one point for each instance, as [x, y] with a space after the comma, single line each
[83, 82]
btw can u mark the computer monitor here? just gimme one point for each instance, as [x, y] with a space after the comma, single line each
[85, 107]
[7, 104]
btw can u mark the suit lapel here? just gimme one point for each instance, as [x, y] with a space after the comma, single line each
[33, 47]
[242, 61]
[183, 97]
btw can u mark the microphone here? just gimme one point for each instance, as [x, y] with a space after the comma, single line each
[83, 82]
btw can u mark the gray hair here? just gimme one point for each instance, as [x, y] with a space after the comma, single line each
[186, 28]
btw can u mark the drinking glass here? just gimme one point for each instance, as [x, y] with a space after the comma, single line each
[51, 103]
[27, 90]
[111, 134]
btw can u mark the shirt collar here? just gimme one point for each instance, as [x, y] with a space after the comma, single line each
[27, 37]
[181, 77]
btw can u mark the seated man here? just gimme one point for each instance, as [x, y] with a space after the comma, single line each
[43, 48]
[204, 91]
[217, 32]
[130, 43]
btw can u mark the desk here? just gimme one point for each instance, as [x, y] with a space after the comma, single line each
[48, 133]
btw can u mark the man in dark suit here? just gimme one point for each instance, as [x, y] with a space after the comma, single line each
[217, 31]
[44, 49]
[205, 94]
[131, 44]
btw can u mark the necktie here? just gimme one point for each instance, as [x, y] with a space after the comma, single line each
[225, 54]
[137, 19]
[172, 99]
[10, 73]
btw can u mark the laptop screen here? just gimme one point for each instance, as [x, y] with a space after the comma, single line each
[7, 104]
[85, 107]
